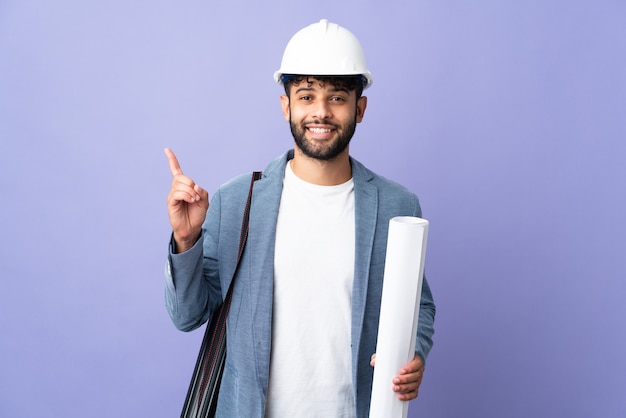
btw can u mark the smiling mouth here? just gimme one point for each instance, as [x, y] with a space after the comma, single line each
[320, 130]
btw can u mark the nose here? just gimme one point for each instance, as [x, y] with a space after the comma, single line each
[322, 110]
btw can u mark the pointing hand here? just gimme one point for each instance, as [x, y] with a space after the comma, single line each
[187, 205]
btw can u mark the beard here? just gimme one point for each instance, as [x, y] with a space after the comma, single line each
[324, 152]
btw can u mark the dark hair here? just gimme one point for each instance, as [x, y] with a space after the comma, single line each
[348, 82]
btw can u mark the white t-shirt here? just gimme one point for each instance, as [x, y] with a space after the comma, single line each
[311, 360]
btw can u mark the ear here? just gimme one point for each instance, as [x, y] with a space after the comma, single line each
[361, 104]
[284, 104]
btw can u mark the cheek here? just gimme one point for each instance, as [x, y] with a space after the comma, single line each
[294, 114]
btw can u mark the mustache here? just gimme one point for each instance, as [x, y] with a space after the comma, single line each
[320, 122]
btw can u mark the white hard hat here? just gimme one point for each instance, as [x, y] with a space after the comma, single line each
[324, 48]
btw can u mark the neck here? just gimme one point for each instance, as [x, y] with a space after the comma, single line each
[322, 172]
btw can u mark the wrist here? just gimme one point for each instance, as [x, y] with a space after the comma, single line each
[182, 244]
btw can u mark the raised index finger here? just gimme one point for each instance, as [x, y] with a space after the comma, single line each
[173, 161]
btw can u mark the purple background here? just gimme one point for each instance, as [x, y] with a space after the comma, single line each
[506, 118]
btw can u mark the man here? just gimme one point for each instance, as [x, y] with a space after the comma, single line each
[304, 315]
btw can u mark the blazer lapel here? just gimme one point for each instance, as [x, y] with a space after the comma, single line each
[261, 242]
[366, 213]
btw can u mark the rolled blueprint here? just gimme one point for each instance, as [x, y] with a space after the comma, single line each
[399, 311]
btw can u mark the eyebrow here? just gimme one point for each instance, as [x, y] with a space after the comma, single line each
[333, 90]
[303, 89]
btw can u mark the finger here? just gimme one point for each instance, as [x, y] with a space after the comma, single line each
[415, 365]
[201, 194]
[179, 180]
[182, 183]
[407, 382]
[180, 195]
[407, 391]
[173, 162]
[408, 376]
[409, 396]
[190, 193]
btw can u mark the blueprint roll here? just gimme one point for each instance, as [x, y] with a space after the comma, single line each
[399, 311]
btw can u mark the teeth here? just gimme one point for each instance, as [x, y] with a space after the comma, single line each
[319, 130]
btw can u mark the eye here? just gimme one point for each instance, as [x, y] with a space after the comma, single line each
[337, 99]
[305, 98]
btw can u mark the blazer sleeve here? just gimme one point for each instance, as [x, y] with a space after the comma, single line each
[192, 284]
[426, 320]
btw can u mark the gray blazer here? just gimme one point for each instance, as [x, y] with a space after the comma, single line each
[197, 281]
